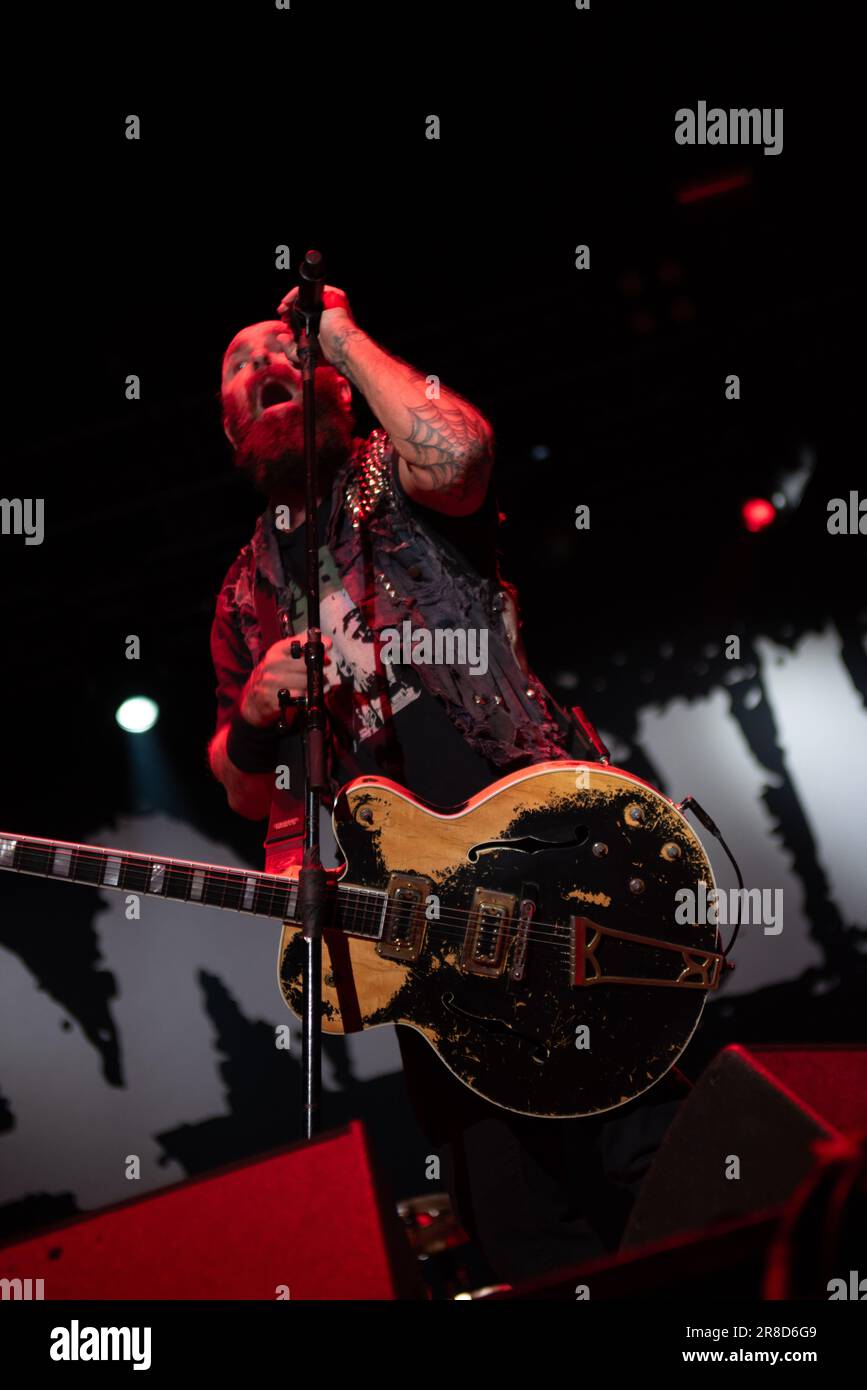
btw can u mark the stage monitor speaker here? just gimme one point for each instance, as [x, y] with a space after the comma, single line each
[309, 1222]
[743, 1139]
[728, 1262]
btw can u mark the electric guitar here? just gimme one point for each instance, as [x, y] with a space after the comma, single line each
[529, 935]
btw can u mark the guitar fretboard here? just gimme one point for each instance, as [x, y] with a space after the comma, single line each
[359, 911]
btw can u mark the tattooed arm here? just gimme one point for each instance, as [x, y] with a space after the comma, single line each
[445, 445]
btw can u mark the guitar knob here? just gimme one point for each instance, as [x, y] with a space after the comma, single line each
[671, 850]
[636, 885]
[600, 849]
[634, 814]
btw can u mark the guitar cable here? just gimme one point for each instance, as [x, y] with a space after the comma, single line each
[689, 803]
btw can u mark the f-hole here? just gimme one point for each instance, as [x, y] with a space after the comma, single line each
[529, 844]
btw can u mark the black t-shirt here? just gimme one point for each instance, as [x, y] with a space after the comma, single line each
[419, 747]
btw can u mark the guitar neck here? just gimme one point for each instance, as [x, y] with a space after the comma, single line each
[358, 911]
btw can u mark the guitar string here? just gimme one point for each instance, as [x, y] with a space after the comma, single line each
[538, 930]
[365, 915]
[564, 947]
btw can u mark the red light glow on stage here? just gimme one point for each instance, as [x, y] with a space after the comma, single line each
[696, 192]
[758, 513]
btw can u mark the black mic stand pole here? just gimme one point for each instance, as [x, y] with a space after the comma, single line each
[312, 878]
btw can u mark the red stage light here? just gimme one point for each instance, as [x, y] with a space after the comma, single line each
[758, 513]
[697, 192]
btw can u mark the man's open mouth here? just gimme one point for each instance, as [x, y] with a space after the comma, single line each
[274, 393]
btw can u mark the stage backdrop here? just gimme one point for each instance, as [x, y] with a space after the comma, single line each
[155, 1038]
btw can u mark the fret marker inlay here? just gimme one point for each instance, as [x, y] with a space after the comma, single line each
[111, 877]
[62, 862]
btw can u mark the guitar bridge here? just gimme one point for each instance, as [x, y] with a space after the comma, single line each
[487, 939]
[405, 923]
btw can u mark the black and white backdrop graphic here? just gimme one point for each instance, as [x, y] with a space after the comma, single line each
[156, 1037]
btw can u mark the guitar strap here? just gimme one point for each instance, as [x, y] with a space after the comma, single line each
[286, 819]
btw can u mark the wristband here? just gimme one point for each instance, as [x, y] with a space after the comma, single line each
[249, 748]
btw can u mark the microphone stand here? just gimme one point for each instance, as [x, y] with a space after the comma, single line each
[312, 879]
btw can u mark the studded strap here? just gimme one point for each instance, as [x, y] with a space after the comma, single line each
[369, 483]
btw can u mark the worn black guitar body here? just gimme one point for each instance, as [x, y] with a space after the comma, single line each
[530, 936]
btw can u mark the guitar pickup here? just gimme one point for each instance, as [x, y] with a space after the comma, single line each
[405, 924]
[487, 940]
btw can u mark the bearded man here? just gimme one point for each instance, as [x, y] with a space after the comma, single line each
[406, 524]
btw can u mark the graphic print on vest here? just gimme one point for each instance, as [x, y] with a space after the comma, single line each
[357, 663]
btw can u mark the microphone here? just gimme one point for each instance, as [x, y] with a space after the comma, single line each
[307, 307]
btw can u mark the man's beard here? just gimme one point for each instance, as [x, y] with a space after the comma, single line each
[270, 450]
